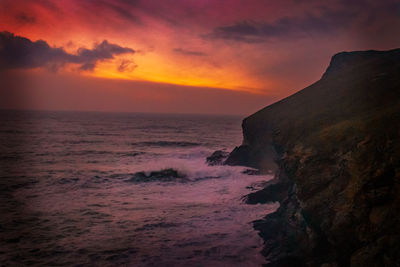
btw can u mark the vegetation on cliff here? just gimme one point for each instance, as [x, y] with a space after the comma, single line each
[336, 145]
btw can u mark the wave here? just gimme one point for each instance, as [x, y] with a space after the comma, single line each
[130, 154]
[77, 142]
[168, 143]
[152, 226]
[91, 153]
[183, 170]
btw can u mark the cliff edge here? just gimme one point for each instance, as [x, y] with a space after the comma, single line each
[335, 149]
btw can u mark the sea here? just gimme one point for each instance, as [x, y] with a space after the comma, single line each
[124, 189]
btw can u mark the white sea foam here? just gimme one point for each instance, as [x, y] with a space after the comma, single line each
[77, 208]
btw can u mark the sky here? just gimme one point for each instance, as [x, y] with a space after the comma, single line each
[178, 56]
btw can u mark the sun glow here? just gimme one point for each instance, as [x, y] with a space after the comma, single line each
[156, 69]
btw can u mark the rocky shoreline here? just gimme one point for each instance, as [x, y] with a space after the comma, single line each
[335, 149]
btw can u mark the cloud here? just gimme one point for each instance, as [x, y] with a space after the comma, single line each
[20, 52]
[23, 18]
[126, 66]
[252, 32]
[320, 20]
[102, 51]
[120, 9]
[188, 52]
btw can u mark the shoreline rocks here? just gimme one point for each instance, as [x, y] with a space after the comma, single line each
[335, 149]
[217, 158]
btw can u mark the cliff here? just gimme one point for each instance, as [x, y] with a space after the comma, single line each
[335, 149]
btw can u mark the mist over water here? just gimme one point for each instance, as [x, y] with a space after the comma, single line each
[70, 195]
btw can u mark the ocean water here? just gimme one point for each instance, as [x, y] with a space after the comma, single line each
[71, 196]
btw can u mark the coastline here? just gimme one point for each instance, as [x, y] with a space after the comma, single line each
[333, 149]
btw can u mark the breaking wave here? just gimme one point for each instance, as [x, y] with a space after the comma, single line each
[125, 190]
[168, 144]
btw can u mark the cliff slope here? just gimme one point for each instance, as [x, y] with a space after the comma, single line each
[335, 148]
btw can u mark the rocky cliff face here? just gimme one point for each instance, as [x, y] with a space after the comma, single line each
[335, 148]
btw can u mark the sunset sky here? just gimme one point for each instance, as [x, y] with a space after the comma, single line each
[190, 56]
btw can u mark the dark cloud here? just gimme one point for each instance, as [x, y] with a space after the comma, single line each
[252, 32]
[20, 52]
[322, 20]
[244, 31]
[102, 51]
[126, 10]
[188, 52]
[87, 66]
[127, 65]
[23, 18]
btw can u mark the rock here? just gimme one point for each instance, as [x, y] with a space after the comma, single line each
[336, 145]
[217, 158]
[251, 172]
[165, 175]
[271, 193]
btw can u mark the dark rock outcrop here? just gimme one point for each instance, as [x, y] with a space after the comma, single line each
[217, 157]
[336, 145]
[164, 175]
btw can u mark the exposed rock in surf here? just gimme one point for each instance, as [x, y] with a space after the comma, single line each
[255, 157]
[251, 172]
[217, 158]
[165, 175]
